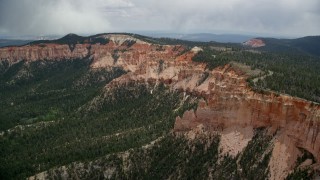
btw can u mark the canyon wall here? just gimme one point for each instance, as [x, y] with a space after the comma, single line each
[121, 50]
[42, 52]
[226, 99]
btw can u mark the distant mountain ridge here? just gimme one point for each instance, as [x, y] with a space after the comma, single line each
[306, 45]
[205, 37]
[22, 40]
[11, 42]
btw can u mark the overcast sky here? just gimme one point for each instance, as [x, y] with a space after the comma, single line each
[273, 17]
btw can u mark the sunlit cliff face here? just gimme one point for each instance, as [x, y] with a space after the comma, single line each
[226, 100]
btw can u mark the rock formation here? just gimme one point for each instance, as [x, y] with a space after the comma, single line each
[255, 43]
[226, 99]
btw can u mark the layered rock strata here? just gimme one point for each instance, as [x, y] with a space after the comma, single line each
[227, 100]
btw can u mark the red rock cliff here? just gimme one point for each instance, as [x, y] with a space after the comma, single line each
[227, 99]
[42, 52]
[117, 52]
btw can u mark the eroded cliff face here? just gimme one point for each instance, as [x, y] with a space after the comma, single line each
[227, 104]
[121, 50]
[230, 107]
[43, 52]
[228, 101]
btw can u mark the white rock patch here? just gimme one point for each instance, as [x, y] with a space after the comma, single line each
[235, 139]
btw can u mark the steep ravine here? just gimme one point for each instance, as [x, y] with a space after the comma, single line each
[228, 105]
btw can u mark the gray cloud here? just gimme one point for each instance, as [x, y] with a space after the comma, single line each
[53, 17]
[278, 17]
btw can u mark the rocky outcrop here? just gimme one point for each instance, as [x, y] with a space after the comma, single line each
[227, 100]
[255, 43]
[42, 52]
[118, 49]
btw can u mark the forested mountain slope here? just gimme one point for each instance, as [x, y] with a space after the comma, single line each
[309, 45]
[126, 106]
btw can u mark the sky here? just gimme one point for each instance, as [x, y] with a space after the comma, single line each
[258, 17]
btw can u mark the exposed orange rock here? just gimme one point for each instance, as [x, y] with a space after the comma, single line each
[42, 52]
[227, 100]
[255, 43]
